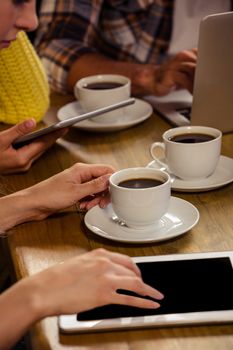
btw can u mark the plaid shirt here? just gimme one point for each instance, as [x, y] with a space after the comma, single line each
[126, 30]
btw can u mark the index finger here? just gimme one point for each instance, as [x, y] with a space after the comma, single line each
[91, 171]
[186, 56]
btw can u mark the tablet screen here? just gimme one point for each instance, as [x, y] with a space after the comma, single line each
[188, 286]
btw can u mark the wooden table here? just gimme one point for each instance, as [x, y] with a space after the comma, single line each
[35, 246]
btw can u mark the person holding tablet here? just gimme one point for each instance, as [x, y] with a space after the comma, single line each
[19, 160]
[12, 160]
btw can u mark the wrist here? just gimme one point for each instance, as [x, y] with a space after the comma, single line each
[17, 208]
[39, 295]
[34, 298]
[141, 75]
[20, 308]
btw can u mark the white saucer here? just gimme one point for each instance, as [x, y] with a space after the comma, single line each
[223, 175]
[134, 114]
[180, 218]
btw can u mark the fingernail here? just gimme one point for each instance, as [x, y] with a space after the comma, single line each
[155, 305]
[29, 123]
[160, 297]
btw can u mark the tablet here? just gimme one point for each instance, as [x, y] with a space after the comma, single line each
[198, 289]
[71, 121]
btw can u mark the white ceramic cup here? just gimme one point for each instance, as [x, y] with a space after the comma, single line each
[92, 99]
[189, 161]
[140, 207]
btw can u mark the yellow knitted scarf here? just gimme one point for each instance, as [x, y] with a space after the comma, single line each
[24, 90]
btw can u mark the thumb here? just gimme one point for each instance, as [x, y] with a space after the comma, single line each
[11, 134]
[94, 186]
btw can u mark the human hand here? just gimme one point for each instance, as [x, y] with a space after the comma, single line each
[159, 80]
[79, 284]
[85, 182]
[88, 183]
[176, 73]
[19, 160]
[91, 280]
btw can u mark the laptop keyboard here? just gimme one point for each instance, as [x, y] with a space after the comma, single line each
[186, 112]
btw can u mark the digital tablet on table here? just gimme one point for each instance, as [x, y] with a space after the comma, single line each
[197, 288]
[71, 121]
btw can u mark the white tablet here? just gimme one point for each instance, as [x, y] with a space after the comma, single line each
[198, 289]
[71, 121]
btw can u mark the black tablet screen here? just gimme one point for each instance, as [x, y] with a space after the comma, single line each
[188, 286]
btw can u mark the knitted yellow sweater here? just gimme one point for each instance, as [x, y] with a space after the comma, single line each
[24, 90]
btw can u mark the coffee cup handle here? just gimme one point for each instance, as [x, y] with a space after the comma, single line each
[159, 145]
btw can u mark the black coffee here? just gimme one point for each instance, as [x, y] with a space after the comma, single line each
[192, 138]
[140, 183]
[104, 85]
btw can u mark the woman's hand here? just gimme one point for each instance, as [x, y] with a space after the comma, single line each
[19, 160]
[82, 182]
[87, 183]
[91, 280]
[79, 284]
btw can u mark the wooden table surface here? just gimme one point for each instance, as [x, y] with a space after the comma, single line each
[35, 246]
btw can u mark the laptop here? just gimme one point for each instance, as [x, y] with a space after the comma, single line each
[212, 100]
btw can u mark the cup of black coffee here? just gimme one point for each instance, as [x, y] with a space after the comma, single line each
[190, 152]
[140, 196]
[99, 91]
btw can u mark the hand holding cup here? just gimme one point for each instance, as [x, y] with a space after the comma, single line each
[140, 196]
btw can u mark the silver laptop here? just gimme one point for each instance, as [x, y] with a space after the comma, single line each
[212, 100]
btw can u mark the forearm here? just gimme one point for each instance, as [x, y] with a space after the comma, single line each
[20, 308]
[16, 209]
[142, 76]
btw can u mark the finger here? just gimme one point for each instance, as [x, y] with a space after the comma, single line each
[183, 80]
[185, 56]
[122, 271]
[87, 205]
[121, 259]
[135, 302]
[94, 186]
[11, 134]
[182, 75]
[31, 161]
[105, 200]
[92, 172]
[44, 142]
[137, 286]
[194, 50]
[187, 67]
[102, 199]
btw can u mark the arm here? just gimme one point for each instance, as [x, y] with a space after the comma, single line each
[62, 191]
[20, 160]
[145, 78]
[79, 48]
[66, 31]
[54, 291]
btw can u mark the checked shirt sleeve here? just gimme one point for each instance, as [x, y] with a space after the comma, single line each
[66, 31]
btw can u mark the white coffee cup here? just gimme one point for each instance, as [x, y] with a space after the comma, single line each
[99, 91]
[189, 161]
[140, 207]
